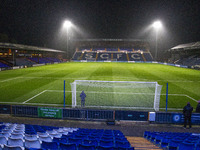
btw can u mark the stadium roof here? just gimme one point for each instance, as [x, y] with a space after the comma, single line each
[188, 46]
[28, 48]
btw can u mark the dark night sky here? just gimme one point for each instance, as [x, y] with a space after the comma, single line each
[38, 22]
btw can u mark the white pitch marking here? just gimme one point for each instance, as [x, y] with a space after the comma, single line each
[191, 98]
[34, 97]
[57, 91]
[182, 95]
[10, 103]
[10, 79]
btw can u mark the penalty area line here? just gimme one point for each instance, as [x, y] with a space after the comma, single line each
[34, 96]
[182, 95]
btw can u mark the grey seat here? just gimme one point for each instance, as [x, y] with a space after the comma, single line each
[45, 138]
[4, 134]
[3, 140]
[32, 143]
[30, 137]
[15, 142]
[17, 135]
[8, 147]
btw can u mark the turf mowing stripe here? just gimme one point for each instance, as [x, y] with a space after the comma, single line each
[34, 97]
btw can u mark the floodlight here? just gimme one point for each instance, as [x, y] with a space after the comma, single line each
[157, 24]
[67, 24]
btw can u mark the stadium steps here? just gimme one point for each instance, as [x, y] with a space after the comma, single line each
[140, 143]
[81, 56]
[143, 57]
[96, 57]
[127, 56]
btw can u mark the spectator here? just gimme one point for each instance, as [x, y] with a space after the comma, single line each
[187, 112]
[198, 107]
[83, 96]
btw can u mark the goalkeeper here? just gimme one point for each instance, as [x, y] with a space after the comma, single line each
[83, 96]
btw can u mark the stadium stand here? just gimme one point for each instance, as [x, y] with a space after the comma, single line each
[112, 56]
[12, 55]
[186, 54]
[46, 137]
[24, 61]
[121, 50]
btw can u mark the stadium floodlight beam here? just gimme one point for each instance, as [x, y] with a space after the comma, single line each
[157, 25]
[67, 24]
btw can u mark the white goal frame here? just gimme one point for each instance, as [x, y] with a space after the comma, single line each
[157, 92]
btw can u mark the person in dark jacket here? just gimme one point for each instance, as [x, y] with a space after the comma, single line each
[187, 112]
[83, 96]
[198, 107]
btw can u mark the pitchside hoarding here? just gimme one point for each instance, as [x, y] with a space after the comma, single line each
[49, 112]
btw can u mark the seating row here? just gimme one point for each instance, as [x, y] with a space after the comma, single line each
[2, 65]
[174, 140]
[20, 136]
[117, 56]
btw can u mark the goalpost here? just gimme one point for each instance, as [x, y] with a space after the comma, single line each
[117, 94]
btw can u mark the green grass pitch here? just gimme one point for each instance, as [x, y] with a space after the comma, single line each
[44, 85]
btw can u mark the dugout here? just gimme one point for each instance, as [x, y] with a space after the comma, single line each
[10, 54]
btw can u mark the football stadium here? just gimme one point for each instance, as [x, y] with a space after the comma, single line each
[121, 84]
[100, 81]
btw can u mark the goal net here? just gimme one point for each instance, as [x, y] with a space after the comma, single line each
[117, 94]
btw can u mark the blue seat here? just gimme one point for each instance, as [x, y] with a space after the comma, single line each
[105, 148]
[35, 149]
[91, 142]
[158, 139]
[198, 146]
[120, 138]
[107, 138]
[94, 137]
[49, 145]
[86, 147]
[124, 148]
[106, 143]
[186, 146]
[146, 134]
[75, 141]
[65, 146]
[164, 142]
[122, 144]
[174, 144]
[60, 140]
